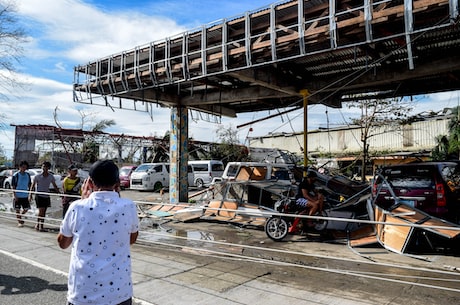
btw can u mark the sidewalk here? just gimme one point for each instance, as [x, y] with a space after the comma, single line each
[167, 277]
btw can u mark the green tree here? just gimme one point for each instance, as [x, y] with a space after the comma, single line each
[3, 158]
[454, 134]
[91, 143]
[377, 113]
[228, 147]
[441, 150]
[448, 146]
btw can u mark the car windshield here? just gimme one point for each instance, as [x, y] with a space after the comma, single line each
[124, 171]
[411, 182]
[217, 167]
[232, 169]
[144, 168]
[411, 177]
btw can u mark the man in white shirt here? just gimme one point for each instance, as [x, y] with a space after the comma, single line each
[100, 227]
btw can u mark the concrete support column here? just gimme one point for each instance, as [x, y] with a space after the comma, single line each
[178, 155]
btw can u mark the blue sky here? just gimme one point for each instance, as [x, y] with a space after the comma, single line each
[66, 33]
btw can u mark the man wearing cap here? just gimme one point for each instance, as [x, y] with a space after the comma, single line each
[71, 187]
[308, 199]
[100, 227]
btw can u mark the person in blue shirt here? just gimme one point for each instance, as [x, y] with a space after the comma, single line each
[21, 183]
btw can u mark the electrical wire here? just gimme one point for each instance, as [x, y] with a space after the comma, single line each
[351, 77]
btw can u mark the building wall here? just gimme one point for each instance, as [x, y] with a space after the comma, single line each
[415, 137]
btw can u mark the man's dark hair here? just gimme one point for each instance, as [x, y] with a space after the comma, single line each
[104, 173]
[24, 162]
[311, 174]
[47, 164]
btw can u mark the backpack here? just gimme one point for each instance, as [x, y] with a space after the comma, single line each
[14, 179]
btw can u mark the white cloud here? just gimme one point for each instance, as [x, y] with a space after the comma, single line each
[65, 33]
[81, 32]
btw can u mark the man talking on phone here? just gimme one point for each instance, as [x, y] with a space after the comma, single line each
[100, 227]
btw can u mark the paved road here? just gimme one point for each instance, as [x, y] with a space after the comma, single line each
[215, 263]
[28, 282]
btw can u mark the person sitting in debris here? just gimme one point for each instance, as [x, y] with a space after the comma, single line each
[308, 199]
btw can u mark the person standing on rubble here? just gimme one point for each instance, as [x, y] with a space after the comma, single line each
[100, 227]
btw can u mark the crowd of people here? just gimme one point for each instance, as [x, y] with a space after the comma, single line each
[26, 189]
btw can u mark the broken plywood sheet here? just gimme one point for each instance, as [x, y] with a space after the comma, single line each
[165, 210]
[363, 236]
[395, 231]
[189, 214]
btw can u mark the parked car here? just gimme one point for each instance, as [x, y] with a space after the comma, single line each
[204, 171]
[125, 175]
[433, 187]
[4, 174]
[150, 177]
[33, 172]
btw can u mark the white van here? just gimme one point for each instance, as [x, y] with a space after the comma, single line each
[150, 177]
[205, 170]
[259, 171]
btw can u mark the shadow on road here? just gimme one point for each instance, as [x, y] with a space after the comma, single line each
[26, 284]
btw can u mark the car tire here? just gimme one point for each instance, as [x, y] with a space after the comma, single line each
[199, 183]
[7, 185]
[157, 186]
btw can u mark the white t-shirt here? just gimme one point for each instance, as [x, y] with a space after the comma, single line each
[100, 264]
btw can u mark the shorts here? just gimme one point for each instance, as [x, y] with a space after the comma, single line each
[301, 203]
[22, 203]
[42, 202]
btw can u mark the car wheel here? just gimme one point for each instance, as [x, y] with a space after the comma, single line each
[321, 224]
[199, 183]
[276, 228]
[157, 187]
[7, 185]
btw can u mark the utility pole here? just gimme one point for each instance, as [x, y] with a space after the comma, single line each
[305, 94]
